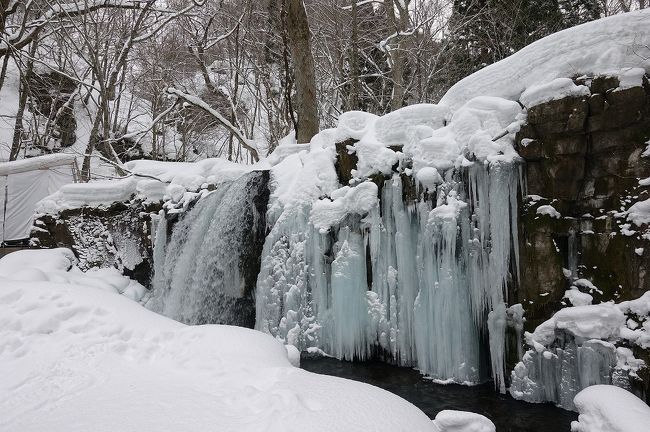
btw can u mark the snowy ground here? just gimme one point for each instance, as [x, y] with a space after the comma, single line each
[75, 355]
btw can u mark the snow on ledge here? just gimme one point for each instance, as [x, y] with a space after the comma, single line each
[150, 181]
[602, 46]
[557, 89]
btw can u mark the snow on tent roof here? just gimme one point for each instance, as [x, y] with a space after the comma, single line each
[36, 163]
[597, 47]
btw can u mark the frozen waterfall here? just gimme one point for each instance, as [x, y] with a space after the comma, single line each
[413, 280]
[205, 273]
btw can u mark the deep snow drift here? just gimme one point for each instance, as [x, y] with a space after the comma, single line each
[77, 357]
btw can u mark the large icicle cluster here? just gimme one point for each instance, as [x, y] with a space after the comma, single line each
[409, 266]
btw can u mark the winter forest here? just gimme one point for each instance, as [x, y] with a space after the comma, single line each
[327, 215]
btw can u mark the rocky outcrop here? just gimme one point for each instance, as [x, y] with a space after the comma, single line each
[113, 236]
[584, 158]
[584, 161]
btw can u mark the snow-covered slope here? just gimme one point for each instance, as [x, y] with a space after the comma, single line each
[601, 46]
[74, 357]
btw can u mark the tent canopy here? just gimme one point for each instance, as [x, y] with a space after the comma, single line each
[25, 182]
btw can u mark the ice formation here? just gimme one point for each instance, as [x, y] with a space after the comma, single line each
[575, 349]
[197, 274]
[410, 266]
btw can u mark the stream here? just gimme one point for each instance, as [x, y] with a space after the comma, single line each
[508, 414]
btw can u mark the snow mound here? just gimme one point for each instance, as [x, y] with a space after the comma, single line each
[548, 210]
[58, 266]
[639, 213]
[606, 408]
[47, 260]
[601, 321]
[83, 358]
[461, 421]
[602, 46]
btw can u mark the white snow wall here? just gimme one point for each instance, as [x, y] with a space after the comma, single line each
[412, 281]
[202, 273]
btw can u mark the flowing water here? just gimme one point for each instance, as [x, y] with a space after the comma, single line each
[508, 414]
[200, 274]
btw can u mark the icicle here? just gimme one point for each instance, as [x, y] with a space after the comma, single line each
[159, 246]
[497, 331]
[347, 329]
[572, 253]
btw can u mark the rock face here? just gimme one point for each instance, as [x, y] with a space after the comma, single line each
[584, 158]
[115, 236]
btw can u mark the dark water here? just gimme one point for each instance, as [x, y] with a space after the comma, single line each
[508, 414]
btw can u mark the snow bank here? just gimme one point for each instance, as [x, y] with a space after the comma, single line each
[83, 358]
[605, 408]
[602, 46]
[606, 321]
[461, 421]
[58, 266]
[601, 321]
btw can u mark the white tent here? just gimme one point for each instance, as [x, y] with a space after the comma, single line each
[25, 182]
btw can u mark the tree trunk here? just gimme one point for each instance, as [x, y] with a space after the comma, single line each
[25, 78]
[303, 66]
[353, 99]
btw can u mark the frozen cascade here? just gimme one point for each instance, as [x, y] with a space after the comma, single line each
[558, 373]
[199, 274]
[412, 281]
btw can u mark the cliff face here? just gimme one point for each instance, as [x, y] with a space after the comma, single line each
[583, 157]
[585, 165]
[117, 235]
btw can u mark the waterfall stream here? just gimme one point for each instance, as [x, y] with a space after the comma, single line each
[205, 273]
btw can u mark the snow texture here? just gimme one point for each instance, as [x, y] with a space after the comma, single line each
[80, 357]
[605, 408]
[602, 46]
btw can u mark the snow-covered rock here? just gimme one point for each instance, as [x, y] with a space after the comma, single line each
[609, 45]
[461, 421]
[605, 408]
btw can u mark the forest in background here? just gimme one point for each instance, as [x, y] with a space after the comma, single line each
[184, 80]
